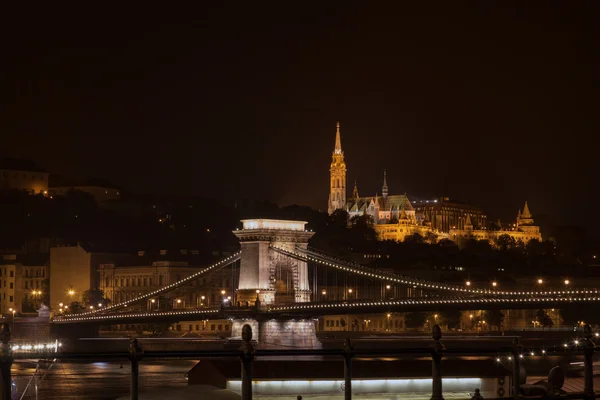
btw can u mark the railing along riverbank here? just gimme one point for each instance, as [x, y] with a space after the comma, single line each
[248, 353]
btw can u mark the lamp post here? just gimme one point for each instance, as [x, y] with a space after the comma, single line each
[13, 311]
[349, 293]
[387, 291]
[202, 298]
[388, 322]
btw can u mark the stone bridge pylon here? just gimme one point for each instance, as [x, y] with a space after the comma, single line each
[265, 274]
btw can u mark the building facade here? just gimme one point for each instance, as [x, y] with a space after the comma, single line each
[22, 286]
[23, 175]
[74, 269]
[523, 230]
[125, 282]
[101, 194]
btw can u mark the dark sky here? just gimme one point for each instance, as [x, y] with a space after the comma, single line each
[490, 104]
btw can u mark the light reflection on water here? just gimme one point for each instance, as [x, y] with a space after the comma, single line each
[96, 380]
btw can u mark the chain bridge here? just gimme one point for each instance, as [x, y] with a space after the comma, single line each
[272, 249]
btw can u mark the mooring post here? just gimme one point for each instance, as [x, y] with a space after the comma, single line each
[588, 355]
[5, 363]
[349, 353]
[437, 352]
[247, 358]
[516, 355]
[135, 355]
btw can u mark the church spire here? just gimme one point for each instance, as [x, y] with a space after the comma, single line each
[338, 140]
[355, 191]
[526, 213]
[384, 189]
[337, 176]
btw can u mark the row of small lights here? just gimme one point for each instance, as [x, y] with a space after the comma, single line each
[29, 347]
[426, 302]
[543, 352]
[147, 314]
[226, 261]
[427, 284]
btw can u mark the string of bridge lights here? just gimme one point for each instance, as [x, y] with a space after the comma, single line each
[80, 318]
[311, 255]
[218, 265]
[478, 302]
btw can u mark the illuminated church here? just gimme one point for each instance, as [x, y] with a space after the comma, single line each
[395, 217]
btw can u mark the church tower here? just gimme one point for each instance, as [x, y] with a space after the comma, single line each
[337, 174]
[384, 188]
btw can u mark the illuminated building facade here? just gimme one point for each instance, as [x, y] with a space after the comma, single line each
[21, 283]
[23, 175]
[395, 217]
[127, 281]
[522, 231]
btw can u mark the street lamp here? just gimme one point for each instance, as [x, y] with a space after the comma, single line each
[388, 287]
[323, 292]
[540, 281]
[91, 307]
[567, 282]
[468, 283]
[13, 311]
[99, 304]
[494, 284]
[60, 304]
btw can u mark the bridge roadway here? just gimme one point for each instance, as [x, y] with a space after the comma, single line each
[312, 310]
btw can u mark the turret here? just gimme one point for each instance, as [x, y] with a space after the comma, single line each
[468, 223]
[384, 188]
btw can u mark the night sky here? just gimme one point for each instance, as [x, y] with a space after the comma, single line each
[489, 104]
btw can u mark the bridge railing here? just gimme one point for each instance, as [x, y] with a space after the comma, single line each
[248, 353]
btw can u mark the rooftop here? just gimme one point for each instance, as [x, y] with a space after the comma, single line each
[280, 224]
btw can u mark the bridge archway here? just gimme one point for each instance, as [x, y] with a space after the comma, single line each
[269, 276]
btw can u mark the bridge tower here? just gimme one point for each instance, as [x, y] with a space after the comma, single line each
[265, 274]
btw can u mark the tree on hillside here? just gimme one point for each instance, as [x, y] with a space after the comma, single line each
[505, 242]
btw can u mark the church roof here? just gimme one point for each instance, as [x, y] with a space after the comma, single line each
[393, 202]
[396, 202]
